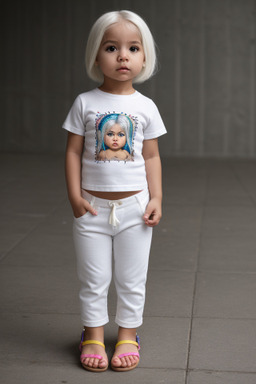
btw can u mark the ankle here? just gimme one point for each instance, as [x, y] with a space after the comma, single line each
[126, 334]
[94, 333]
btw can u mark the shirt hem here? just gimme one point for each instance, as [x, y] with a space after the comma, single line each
[115, 188]
[154, 135]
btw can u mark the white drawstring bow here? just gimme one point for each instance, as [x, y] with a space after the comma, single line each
[113, 220]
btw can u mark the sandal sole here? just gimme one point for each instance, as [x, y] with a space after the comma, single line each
[91, 369]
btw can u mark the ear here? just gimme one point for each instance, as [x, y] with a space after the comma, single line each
[144, 61]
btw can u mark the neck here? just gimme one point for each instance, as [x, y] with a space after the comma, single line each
[117, 88]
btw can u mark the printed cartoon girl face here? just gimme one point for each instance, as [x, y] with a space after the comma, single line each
[115, 133]
[115, 137]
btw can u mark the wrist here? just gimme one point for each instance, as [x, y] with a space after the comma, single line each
[75, 199]
[157, 197]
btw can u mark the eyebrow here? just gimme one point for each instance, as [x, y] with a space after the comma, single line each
[116, 42]
[121, 130]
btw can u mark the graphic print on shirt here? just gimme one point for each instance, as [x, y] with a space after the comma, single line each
[115, 133]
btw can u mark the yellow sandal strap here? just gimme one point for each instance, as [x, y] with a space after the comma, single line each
[92, 342]
[127, 342]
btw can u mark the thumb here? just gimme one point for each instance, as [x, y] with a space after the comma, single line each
[147, 213]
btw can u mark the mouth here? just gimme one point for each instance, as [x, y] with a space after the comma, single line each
[123, 69]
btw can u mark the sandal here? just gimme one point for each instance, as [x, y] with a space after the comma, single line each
[137, 343]
[85, 355]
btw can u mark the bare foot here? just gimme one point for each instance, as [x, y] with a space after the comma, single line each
[125, 362]
[94, 349]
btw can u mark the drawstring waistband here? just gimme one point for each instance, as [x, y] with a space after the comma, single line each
[113, 220]
[97, 202]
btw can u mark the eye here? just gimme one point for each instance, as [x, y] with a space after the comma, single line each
[109, 134]
[134, 49]
[111, 48]
[121, 134]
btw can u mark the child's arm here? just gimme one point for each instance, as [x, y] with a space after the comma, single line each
[151, 156]
[74, 151]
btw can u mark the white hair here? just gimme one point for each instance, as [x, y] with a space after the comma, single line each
[96, 35]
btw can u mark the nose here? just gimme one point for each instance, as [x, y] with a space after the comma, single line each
[122, 55]
[122, 58]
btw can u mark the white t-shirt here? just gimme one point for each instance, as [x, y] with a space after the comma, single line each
[114, 127]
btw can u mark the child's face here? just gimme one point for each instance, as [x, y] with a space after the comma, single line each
[121, 55]
[115, 137]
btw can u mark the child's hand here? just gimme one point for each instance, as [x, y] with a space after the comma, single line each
[153, 212]
[81, 207]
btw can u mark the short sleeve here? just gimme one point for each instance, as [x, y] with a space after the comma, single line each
[155, 126]
[74, 121]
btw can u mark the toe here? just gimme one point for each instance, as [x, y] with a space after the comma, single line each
[116, 362]
[102, 363]
[86, 361]
[131, 360]
[128, 362]
[91, 362]
[125, 362]
[95, 363]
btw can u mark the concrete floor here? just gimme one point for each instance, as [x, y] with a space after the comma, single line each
[200, 314]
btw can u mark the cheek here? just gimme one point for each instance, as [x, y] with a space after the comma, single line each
[104, 61]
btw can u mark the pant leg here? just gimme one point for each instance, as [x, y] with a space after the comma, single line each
[131, 255]
[94, 265]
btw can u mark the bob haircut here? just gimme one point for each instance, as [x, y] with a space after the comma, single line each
[96, 35]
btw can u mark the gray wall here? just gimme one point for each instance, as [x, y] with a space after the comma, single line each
[205, 88]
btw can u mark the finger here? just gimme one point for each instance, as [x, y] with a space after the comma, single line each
[153, 220]
[147, 215]
[90, 209]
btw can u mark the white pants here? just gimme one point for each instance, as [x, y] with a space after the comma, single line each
[127, 242]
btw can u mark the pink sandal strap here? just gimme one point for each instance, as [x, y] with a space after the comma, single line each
[85, 355]
[136, 343]
[129, 354]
